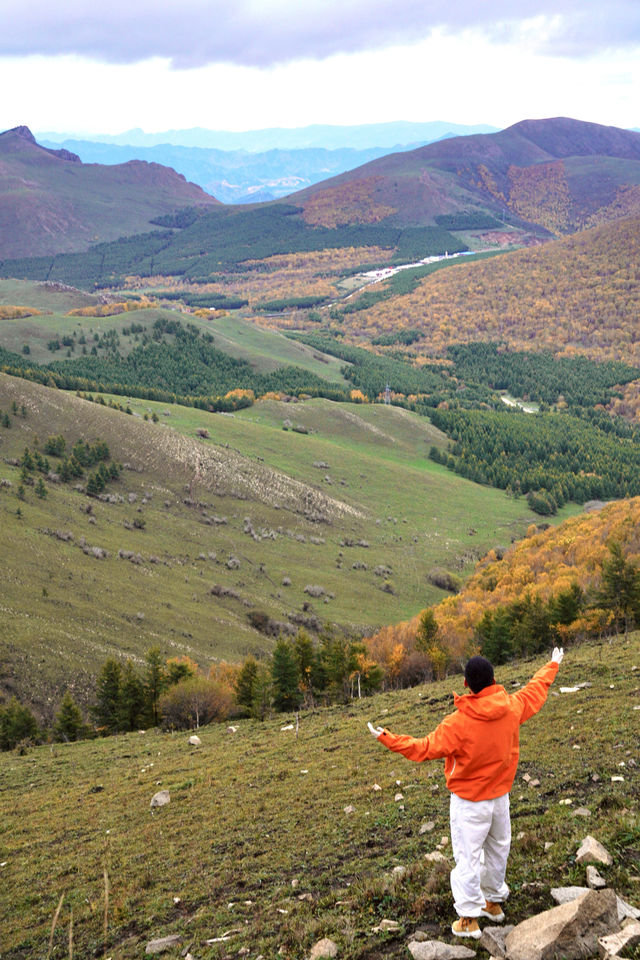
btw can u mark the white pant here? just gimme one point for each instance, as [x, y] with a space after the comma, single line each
[481, 838]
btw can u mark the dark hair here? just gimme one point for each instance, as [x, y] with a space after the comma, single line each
[479, 674]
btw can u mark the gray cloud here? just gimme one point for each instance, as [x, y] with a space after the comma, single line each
[262, 33]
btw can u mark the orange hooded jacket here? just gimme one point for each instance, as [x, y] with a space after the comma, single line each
[481, 740]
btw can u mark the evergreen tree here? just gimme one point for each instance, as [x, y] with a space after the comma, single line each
[131, 700]
[427, 630]
[155, 683]
[620, 587]
[286, 676]
[106, 711]
[246, 683]
[16, 723]
[41, 490]
[69, 724]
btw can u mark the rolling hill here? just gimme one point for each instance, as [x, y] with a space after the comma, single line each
[200, 531]
[556, 175]
[52, 202]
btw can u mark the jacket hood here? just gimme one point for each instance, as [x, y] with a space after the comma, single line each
[492, 703]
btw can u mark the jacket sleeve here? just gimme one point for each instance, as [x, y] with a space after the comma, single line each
[442, 742]
[532, 697]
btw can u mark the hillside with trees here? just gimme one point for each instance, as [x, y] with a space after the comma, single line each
[560, 584]
[579, 295]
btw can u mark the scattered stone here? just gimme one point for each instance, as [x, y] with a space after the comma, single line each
[323, 948]
[548, 845]
[534, 783]
[398, 797]
[160, 799]
[615, 943]
[386, 925]
[350, 809]
[195, 741]
[566, 802]
[594, 880]
[398, 872]
[617, 779]
[289, 726]
[436, 857]
[163, 944]
[493, 939]
[376, 787]
[625, 910]
[526, 777]
[581, 812]
[592, 850]
[570, 931]
[232, 729]
[435, 950]
[426, 827]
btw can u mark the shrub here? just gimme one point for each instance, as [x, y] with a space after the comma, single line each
[445, 580]
[193, 703]
[17, 724]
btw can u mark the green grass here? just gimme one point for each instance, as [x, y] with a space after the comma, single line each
[66, 611]
[256, 821]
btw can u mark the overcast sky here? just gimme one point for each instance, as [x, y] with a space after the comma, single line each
[104, 67]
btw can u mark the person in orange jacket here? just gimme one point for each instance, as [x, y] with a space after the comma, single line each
[480, 744]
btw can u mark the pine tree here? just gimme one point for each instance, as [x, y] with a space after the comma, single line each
[131, 701]
[245, 685]
[155, 682]
[620, 587]
[16, 723]
[69, 724]
[286, 677]
[106, 711]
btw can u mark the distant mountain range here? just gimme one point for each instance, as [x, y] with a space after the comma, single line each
[536, 179]
[52, 202]
[260, 165]
[323, 136]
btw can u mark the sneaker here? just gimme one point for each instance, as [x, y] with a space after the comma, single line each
[466, 927]
[493, 911]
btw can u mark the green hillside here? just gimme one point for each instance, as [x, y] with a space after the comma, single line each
[353, 504]
[256, 852]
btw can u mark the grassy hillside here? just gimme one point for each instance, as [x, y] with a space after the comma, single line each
[329, 507]
[51, 202]
[255, 845]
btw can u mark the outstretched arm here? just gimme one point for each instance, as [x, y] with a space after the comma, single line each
[532, 697]
[441, 743]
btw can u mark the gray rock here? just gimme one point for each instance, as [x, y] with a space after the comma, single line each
[592, 850]
[163, 944]
[581, 812]
[625, 910]
[195, 741]
[323, 948]
[567, 932]
[426, 827]
[493, 939]
[436, 857]
[615, 943]
[568, 894]
[594, 880]
[160, 799]
[435, 950]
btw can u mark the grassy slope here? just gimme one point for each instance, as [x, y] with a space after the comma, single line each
[265, 350]
[256, 821]
[65, 611]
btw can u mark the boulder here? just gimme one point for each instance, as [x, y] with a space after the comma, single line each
[567, 932]
[592, 850]
[163, 944]
[435, 950]
[569, 894]
[323, 948]
[160, 799]
[615, 943]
